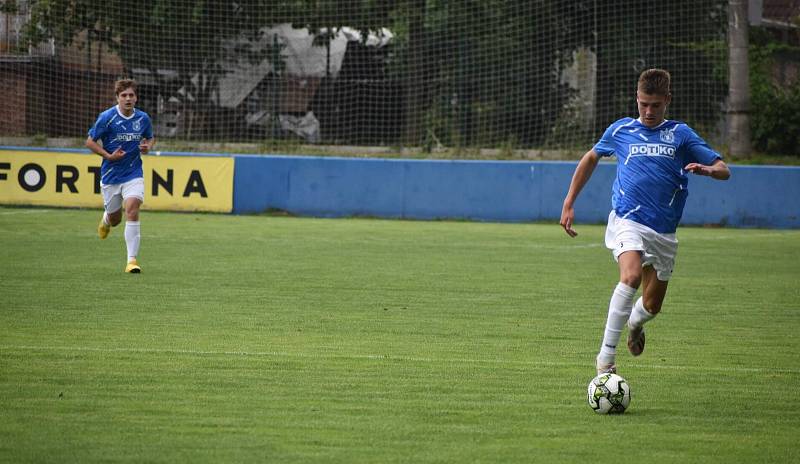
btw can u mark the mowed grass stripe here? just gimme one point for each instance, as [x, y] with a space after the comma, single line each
[323, 355]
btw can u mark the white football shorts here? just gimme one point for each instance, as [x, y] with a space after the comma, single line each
[658, 250]
[115, 194]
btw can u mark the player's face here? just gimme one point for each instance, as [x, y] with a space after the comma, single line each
[126, 100]
[652, 107]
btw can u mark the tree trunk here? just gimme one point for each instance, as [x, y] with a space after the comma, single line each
[739, 80]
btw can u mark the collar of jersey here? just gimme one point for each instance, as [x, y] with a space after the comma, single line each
[651, 128]
[122, 115]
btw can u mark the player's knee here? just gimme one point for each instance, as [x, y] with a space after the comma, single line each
[132, 211]
[631, 277]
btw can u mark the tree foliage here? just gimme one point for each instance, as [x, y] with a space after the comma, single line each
[486, 77]
[625, 47]
[775, 121]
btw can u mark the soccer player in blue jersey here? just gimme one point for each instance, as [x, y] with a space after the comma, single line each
[654, 156]
[126, 133]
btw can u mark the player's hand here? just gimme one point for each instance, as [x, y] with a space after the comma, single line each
[567, 216]
[699, 169]
[144, 147]
[117, 155]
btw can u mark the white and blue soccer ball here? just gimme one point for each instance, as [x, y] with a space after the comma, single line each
[609, 394]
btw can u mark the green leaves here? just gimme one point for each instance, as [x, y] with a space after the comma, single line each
[775, 121]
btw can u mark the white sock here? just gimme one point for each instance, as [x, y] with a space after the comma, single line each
[105, 218]
[619, 309]
[639, 315]
[132, 238]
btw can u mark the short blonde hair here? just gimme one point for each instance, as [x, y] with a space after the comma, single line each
[654, 82]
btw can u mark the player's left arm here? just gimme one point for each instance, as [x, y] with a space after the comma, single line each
[148, 139]
[703, 160]
[717, 170]
[146, 144]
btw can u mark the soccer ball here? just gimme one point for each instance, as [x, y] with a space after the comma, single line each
[609, 394]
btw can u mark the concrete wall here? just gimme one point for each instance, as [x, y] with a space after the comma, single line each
[508, 191]
[755, 196]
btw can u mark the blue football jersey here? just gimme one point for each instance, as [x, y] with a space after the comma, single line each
[651, 186]
[116, 130]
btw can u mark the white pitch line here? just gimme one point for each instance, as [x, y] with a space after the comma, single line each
[275, 354]
[25, 211]
[775, 234]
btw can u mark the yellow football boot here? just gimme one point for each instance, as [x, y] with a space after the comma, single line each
[133, 267]
[103, 230]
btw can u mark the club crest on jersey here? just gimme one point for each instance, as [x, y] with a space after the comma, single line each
[137, 125]
[667, 135]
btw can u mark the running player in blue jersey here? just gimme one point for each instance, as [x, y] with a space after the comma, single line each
[126, 134]
[654, 156]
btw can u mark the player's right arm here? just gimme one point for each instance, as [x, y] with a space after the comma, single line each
[98, 131]
[95, 147]
[583, 172]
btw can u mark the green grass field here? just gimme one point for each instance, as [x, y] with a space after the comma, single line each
[276, 339]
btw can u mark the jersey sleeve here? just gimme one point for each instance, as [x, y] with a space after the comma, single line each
[698, 150]
[147, 133]
[100, 127]
[605, 146]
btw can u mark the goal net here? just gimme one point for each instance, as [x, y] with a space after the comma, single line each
[430, 74]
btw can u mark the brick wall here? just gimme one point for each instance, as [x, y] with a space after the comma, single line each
[12, 93]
